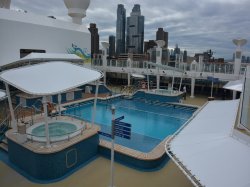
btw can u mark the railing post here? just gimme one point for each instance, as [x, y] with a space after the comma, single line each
[46, 121]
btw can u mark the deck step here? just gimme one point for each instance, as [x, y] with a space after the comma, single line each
[4, 147]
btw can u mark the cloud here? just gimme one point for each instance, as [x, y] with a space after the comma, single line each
[195, 25]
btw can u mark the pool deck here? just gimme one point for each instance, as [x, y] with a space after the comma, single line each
[97, 173]
[39, 147]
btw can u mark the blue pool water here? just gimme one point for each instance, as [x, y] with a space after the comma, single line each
[151, 122]
[55, 129]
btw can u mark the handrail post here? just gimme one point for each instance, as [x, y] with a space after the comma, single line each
[46, 121]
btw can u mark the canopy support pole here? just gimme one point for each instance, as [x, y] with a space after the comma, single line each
[192, 87]
[180, 83]
[13, 120]
[173, 82]
[95, 101]
[147, 77]
[129, 79]
[59, 103]
[158, 82]
[46, 121]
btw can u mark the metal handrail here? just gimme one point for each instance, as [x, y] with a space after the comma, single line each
[32, 136]
[65, 134]
[34, 104]
[7, 121]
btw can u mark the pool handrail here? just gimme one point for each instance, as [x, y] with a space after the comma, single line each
[65, 134]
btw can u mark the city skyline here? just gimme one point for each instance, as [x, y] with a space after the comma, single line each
[194, 25]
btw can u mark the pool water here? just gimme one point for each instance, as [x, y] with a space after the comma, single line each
[55, 129]
[151, 122]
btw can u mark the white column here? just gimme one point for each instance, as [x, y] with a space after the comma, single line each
[95, 101]
[148, 81]
[13, 120]
[234, 94]
[212, 88]
[105, 46]
[173, 81]
[180, 83]
[157, 81]
[105, 77]
[59, 97]
[128, 79]
[158, 55]
[237, 62]
[192, 87]
[169, 86]
[46, 121]
[104, 60]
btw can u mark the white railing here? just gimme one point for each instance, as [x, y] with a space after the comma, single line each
[222, 68]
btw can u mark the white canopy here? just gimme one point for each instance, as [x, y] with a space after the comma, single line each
[49, 78]
[45, 57]
[234, 85]
[207, 148]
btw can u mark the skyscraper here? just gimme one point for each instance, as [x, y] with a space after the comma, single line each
[135, 31]
[185, 56]
[148, 45]
[94, 39]
[111, 46]
[120, 29]
[177, 50]
[162, 35]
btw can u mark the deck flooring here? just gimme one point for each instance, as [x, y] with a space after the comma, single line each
[97, 172]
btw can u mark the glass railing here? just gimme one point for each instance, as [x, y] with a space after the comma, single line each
[223, 68]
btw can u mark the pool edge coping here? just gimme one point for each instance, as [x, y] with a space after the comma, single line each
[155, 154]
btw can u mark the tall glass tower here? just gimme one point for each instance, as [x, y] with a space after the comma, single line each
[94, 39]
[120, 29]
[111, 46]
[135, 31]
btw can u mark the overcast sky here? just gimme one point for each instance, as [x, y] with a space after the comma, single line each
[195, 25]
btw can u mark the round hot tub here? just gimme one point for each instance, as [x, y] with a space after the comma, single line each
[58, 131]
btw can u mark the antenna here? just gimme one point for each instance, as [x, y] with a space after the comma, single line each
[160, 43]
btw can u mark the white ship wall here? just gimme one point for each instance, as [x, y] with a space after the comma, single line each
[28, 31]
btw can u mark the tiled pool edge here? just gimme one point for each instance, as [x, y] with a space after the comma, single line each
[136, 159]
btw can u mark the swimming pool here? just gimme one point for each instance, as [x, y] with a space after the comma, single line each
[151, 121]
